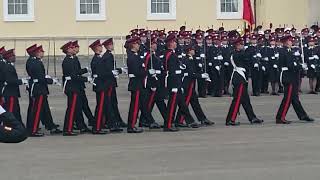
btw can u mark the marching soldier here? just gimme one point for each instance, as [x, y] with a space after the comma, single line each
[189, 82]
[2, 71]
[217, 68]
[254, 55]
[10, 90]
[137, 76]
[81, 125]
[108, 44]
[290, 70]
[240, 87]
[72, 81]
[39, 94]
[174, 68]
[201, 67]
[262, 44]
[312, 60]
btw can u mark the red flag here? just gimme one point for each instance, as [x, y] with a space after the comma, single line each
[247, 12]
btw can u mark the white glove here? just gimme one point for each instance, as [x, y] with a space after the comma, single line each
[115, 72]
[226, 63]
[259, 55]
[202, 55]
[89, 79]
[275, 66]
[220, 57]
[24, 81]
[276, 55]
[175, 90]
[208, 80]
[263, 68]
[316, 56]
[205, 76]
[200, 65]
[245, 47]
[273, 57]
[295, 64]
[297, 53]
[152, 71]
[266, 59]
[48, 77]
[153, 89]
[311, 58]
[313, 66]
[124, 70]
[256, 65]
[217, 68]
[304, 66]
[180, 56]
[143, 65]
[210, 64]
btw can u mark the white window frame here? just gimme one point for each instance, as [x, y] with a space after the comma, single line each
[230, 15]
[163, 16]
[91, 17]
[18, 17]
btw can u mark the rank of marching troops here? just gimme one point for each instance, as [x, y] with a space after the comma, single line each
[170, 70]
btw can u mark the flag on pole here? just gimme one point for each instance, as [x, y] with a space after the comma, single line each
[247, 12]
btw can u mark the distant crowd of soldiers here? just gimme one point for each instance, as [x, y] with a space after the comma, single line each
[167, 66]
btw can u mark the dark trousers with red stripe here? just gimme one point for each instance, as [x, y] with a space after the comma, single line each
[191, 97]
[154, 99]
[138, 102]
[12, 105]
[104, 110]
[73, 111]
[177, 99]
[291, 96]
[240, 97]
[40, 112]
[86, 110]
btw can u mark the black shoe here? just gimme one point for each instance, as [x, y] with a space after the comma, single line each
[123, 124]
[193, 125]
[85, 130]
[134, 130]
[307, 119]
[154, 126]
[55, 131]
[256, 121]
[36, 134]
[232, 123]
[278, 121]
[70, 134]
[207, 122]
[274, 94]
[101, 132]
[116, 130]
[145, 125]
[181, 125]
[172, 129]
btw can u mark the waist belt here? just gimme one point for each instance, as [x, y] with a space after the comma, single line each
[281, 74]
[68, 78]
[32, 86]
[284, 69]
[241, 71]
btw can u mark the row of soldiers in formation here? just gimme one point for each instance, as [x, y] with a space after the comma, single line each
[159, 67]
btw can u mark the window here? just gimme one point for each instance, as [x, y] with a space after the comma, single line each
[90, 10]
[229, 9]
[18, 10]
[161, 10]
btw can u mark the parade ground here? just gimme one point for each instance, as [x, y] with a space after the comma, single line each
[261, 152]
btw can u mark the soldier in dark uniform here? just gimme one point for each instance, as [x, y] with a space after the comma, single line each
[201, 66]
[312, 60]
[254, 55]
[72, 81]
[174, 70]
[189, 82]
[39, 93]
[240, 87]
[10, 90]
[85, 104]
[226, 53]
[2, 66]
[137, 76]
[108, 44]
[11, 130]
[290, 68]
[217, 77]
[263, 44]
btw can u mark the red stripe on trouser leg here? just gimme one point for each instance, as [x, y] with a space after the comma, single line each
[188, 98]
[287, 104]
[135, 109]
[37, 116]
[11, 103]
[236, 107]
[153, 93]
[100, 110]
[71, 113]
[173, 102]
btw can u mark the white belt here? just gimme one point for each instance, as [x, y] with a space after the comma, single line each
[241, 71]
[68, 78]
[158, 72]
[178, 71]
[198, 58]
[95, 76]
[32, 86]
[281, 74]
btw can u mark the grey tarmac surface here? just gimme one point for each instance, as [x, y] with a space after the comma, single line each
[270, 151]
